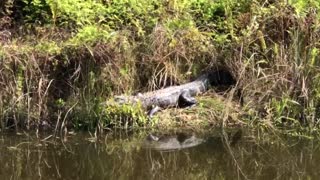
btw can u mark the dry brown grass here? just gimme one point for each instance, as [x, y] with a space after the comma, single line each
[212, 110]
[273, 54]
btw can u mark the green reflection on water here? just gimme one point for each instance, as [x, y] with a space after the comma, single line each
[126, 156]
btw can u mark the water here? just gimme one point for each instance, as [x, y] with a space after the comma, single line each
[235, 154]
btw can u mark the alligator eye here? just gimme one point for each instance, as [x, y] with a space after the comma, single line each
[120, 99]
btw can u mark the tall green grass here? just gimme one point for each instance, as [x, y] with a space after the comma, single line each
[59, 58]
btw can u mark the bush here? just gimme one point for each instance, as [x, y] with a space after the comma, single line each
[88, 50]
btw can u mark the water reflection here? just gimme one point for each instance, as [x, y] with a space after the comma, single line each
[213, 155]
[172, 141]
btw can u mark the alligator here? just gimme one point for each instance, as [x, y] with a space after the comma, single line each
[177, 96]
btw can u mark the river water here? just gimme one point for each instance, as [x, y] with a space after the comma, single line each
[216, 154]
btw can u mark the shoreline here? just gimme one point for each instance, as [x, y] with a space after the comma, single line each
[58, 65]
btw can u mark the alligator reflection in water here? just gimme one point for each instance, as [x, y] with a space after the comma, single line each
[220, 155]
[172, 142]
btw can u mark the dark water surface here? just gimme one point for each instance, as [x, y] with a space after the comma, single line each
[235, 154]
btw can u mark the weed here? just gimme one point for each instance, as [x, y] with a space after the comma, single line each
[59, 58]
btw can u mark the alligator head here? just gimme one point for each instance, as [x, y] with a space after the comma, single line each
[126, 99]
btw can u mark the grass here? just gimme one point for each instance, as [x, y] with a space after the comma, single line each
[58, 65]
[211, 111]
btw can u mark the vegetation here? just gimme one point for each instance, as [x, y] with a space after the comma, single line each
[60, 59]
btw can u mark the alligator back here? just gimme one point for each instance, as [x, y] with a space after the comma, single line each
[167, 97]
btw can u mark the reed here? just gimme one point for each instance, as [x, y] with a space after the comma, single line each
[58, 64]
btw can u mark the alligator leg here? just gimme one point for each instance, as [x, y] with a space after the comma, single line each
[153, 111]
[185, 99]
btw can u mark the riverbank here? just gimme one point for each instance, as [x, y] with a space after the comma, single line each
[58, 64]
[212, 111]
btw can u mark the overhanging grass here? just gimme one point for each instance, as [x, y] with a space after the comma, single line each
[64, 62]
